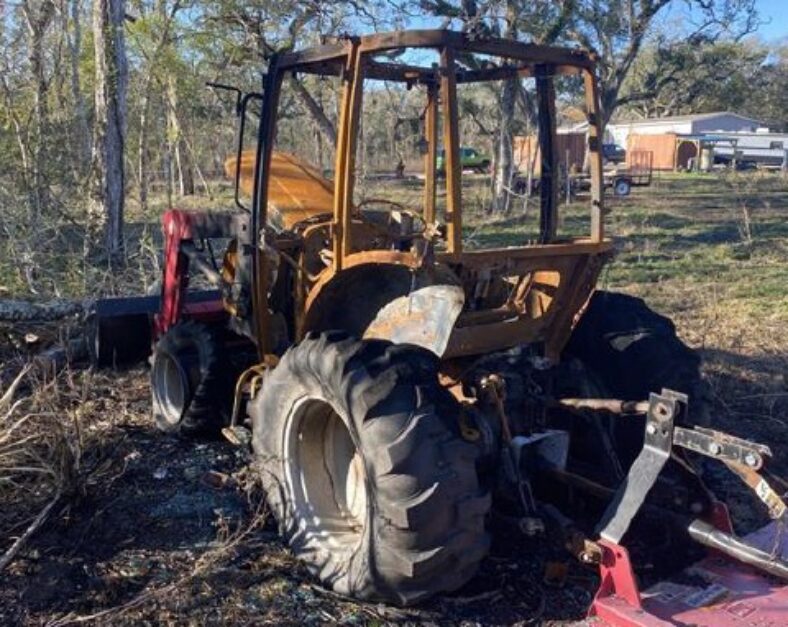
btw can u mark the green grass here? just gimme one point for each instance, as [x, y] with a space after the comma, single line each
[684, 234]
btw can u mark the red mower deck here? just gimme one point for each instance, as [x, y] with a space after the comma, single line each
[734, 594]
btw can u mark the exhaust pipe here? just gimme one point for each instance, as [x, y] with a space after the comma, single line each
[711, 537]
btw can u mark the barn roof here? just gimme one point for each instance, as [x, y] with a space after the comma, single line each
[683, 118]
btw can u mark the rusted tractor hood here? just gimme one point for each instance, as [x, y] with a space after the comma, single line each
[296, 191]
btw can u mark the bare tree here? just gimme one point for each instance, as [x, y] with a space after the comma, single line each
[176, 142]
[38, 16]
[617, 30]
[150, 69]
[74, 43]
[107, 193]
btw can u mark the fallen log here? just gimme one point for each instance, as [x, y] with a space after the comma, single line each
[49, 311]
[108, 331]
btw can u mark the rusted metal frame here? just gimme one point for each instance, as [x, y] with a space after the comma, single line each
[384, 257]
[511, 71]
[484, 338]
[476, 258]
[399, 72]
[272, 84]
[404, 73]
[571, 302]
[427, 38]
[356, 94]
[316, 54]
[430, 158]
[494, 74]
[305, 60]
[548, 149]
[595, 136]
[433, 38]
[451, 146]
[320, 68]
[345, 156]
[520, 267]
[527, 52]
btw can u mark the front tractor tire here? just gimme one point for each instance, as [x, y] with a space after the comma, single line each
[365, 470]
[189, 395]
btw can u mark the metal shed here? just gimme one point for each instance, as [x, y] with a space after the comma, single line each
[722, 121]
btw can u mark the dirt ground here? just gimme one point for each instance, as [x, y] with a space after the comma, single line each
[171, 531]
[164, 531]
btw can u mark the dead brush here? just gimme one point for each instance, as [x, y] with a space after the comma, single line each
[38, 466]
[43, 466]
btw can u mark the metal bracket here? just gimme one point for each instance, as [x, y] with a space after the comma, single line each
[722, 446]
[742, 457]
[662, 412]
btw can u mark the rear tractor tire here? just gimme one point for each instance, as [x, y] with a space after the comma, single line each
[633, 351]
[627, 351]
[189, 393]
[365, 470]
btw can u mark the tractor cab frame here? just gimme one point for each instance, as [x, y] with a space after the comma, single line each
[546, 282]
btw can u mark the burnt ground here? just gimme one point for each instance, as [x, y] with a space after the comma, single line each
[165, 530]
[174, 531]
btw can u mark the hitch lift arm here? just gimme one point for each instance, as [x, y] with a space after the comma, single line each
[618, 598]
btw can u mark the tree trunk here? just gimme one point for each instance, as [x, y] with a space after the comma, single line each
[38, 21]
[80, 110]
[108, 176]
[143, 155]
[316, 111]
[504, 159]
[21, 139]
[502, 178]
[183, 163]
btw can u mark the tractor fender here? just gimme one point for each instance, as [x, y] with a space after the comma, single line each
[404, 305]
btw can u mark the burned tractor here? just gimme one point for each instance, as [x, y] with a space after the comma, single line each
[397, 384]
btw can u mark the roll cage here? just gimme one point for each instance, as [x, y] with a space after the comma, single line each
[353, 60]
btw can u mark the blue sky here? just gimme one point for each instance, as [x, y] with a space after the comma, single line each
[774, 14]
[775, 11]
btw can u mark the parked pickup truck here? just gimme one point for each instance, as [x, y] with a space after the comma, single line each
[470, 158]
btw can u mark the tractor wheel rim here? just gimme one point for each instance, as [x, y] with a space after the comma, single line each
[326, 475]
[171, 387]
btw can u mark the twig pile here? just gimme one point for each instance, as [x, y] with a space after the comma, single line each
[39, 462]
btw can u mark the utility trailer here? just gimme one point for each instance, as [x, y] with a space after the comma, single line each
[637, 172]
[397, 386]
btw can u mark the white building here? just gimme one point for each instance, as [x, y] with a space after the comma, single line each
[696, 124]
